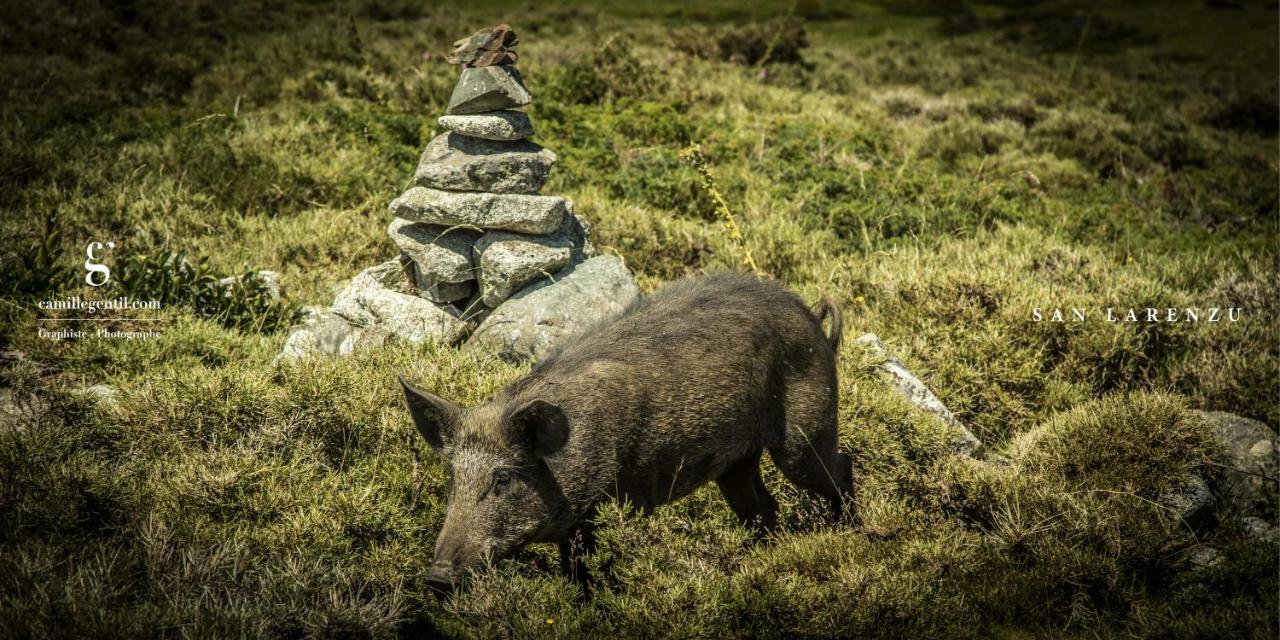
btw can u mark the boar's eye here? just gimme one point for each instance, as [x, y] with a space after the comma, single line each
[501, 480]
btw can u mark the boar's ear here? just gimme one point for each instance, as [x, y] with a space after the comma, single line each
[541, 425]
[434, 416]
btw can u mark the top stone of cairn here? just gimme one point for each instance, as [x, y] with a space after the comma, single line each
[486, 47]
[489, 81]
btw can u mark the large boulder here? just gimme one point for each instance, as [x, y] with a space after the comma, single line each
[915, 390]
[461, 163]
[1253, 462]
[492, 88]
[510, 212]
[537, 319]
[374, 299]
[495, 125]
[442, 257]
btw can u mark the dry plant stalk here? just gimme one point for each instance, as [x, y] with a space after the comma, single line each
[777, 35]
[693, 154]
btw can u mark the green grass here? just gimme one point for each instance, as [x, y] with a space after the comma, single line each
[938, 170]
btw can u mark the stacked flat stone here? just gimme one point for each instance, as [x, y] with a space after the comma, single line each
[485, 257]
[474, 227]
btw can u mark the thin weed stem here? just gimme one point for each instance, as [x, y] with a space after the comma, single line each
[693, 155]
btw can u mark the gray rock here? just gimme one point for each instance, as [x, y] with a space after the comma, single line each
[269, 280]
[440, 255]
[509, 261]
[536, 319]
[913, 389]
[1262, 449]
[489, 88]
[390, 274]
[461, 163]
[1203, 556]
[443, 292]
[11, 412]
[579, 234]
[512, 212]
[494, 125]
[103, 395]
[1252, 460]
[324, 333]
[1192, 497]
[18, 410]
[1260, 529]
[372, 300]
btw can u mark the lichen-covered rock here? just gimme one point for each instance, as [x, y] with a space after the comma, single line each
[1252, 460]
[915, 390]
[441, 256]
[512, 212]
[494, 125]
[533, 321]
[491, 88]
[1189, 499]
[509, 261]
[372, 300]
[462, 163]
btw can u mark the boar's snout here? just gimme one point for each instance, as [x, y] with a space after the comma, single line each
[442, 578]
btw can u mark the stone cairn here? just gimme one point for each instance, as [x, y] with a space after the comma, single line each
[484, 258]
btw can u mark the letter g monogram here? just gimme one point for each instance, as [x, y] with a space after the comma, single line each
[93, 267]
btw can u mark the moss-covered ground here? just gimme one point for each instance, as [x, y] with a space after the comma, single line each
[941, 170]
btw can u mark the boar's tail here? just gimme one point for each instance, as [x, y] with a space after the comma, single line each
[828, 309]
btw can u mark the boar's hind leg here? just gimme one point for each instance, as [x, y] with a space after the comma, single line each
[808, 455]
[747, 495]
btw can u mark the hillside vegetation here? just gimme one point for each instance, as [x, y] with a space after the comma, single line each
[940, 170]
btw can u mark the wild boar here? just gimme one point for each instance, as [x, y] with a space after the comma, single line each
[689, 385]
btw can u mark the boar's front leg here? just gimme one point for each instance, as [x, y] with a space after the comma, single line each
[573, 550]
[743, 487]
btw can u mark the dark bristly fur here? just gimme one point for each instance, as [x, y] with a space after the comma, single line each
[689, 385]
